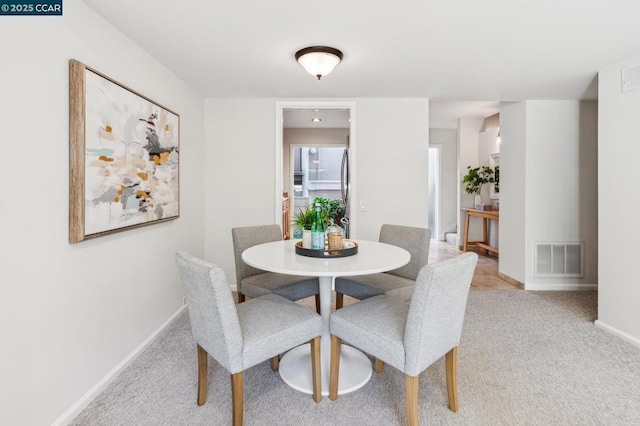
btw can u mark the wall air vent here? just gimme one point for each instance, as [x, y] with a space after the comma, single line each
[559, 259]
[630, 78]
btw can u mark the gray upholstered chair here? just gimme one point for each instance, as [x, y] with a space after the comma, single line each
[254, 282]
[241, 336]
[410, 336]
[397, 283]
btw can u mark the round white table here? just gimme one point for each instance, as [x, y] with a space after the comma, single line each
[280, 257]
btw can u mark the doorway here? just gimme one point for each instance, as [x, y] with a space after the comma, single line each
[315, 171]
[315, 131]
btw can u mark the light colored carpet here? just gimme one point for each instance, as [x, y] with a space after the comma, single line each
[526, 358]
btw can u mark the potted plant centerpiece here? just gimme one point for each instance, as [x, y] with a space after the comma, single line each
[475, 178]
[304, 221]
[332, 210]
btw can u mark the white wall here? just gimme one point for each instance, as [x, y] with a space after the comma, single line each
[392, 164]
[618, 232]
[512, 190]
[71, 313]
[561, 185]
[392, 152]
[488, 145]
[468, 139]
[548, 164]
[239, 172]
[447, 139]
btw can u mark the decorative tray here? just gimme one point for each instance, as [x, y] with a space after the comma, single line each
[349, 248]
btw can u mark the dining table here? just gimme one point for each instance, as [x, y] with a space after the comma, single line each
[281, 257]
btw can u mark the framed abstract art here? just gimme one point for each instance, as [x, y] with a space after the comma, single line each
[124, 157]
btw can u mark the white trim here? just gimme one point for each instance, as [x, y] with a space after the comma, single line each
[280, 106]
[561, 287]
[612, 330]
[88, 397]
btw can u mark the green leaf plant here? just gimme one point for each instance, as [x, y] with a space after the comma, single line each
[330, 210]
[304, 219]
[478, 176]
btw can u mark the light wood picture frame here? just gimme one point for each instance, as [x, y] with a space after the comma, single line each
[123, 157]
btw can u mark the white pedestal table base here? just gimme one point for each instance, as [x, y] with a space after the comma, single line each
[355, 370]
[295, 366]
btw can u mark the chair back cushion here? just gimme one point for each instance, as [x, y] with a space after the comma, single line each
[414, 240]
[212, 310]
[436, 312]
[250, 236]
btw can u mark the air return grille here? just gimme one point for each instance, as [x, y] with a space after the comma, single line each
[559, 259]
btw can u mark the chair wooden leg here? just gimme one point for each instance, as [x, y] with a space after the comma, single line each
[411, 398]
[315, 369]
[378, 365]
[241, 297]
[334, 369]
[318, 303]
[237, 396]
[202, 375]
[451, 365]
[275, 363]
[339, 300]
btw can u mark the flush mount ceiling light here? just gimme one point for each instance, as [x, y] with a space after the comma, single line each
[318, 60]
[316, 120]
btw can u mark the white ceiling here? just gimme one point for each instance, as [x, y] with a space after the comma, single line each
[490, 50]
[445, 114]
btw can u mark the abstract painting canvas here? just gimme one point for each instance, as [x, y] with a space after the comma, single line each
[124, 157]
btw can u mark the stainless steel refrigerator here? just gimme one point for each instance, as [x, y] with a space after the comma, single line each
[344, 190]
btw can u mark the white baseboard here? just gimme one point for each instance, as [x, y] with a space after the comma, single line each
[561, 287]
[626, 336]
[86, 399]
